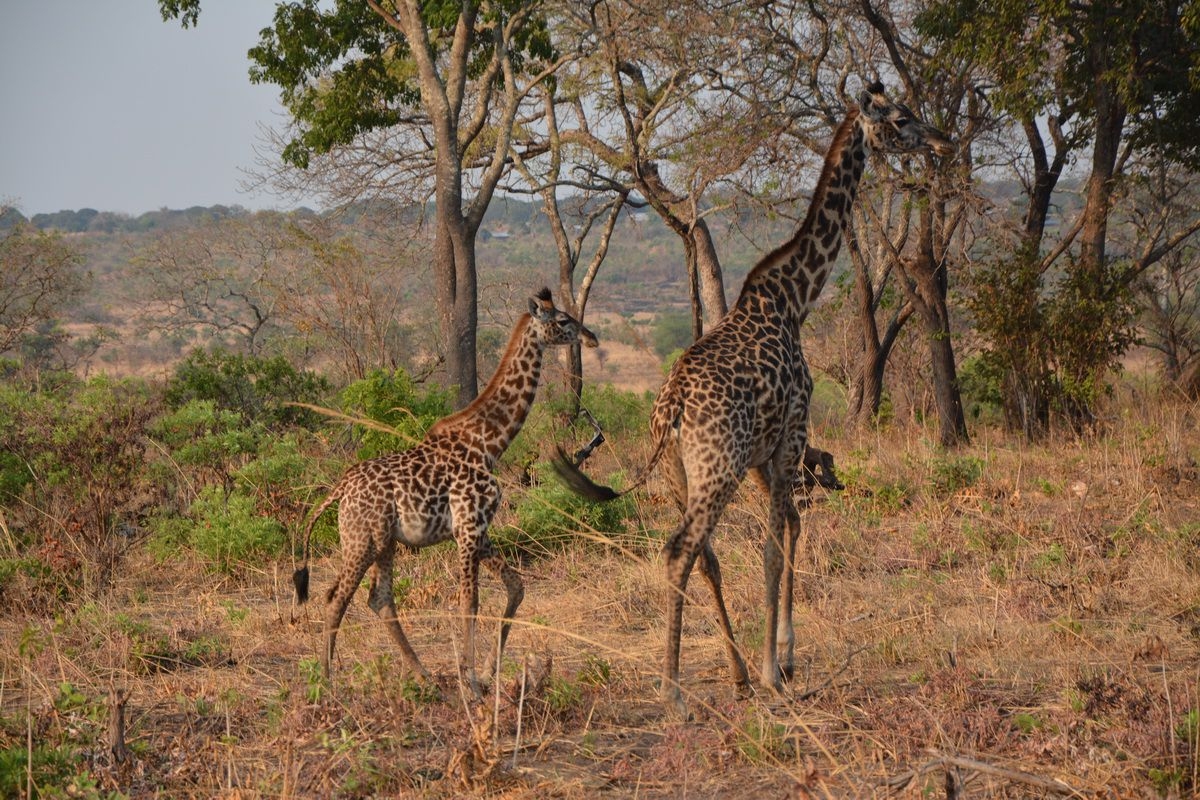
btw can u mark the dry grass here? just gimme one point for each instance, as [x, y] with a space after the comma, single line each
[1003, 615]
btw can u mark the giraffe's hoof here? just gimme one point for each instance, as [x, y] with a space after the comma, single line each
[743, 690]
[676, 708]
[774, 680]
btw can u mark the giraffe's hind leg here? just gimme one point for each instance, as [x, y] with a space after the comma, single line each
[383, 603]
[354, 567]
[786, 631]
[514, 587]
[709, 566]
[680, 554]
[711, 569]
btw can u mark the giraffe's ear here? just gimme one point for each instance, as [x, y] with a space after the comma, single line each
[872, 100]
[540, 305]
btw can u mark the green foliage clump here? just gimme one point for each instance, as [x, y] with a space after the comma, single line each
[225, 528]
[672, 331]
[1051, 344]
[954, 474]
[549, 517]
[73, 464]
[618, 412]
[206, 438]
[395, 400]
[258, 389]
[285, 481]
[980, 384]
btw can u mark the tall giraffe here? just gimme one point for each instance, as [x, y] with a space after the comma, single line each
[440, 489]
[737, 400]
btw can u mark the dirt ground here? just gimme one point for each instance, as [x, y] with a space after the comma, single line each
[1007, 620]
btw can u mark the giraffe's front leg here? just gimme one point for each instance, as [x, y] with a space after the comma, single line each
[514, 588]
[468, 607]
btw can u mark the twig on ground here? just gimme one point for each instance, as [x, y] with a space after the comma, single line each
[520, 710]
[829, 681]
[952, 763]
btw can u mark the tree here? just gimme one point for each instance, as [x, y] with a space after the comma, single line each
[431, 91]
[572, 220]
[663, 102]
[220, 276]
[1111, 80]
[907, 236]
[39, 277]
[343, 290]
[1159, 204]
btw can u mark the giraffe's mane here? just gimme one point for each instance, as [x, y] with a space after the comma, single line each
[510, 352]
[832, 161]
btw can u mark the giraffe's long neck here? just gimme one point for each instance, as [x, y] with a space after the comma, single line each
[496, 415]
[800, 266]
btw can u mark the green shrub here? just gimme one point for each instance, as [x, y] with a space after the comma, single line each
[672, 331]
[550, 516]
[618, 413]
[953, 474]
[210, 440]
[285, 481]
[979, 380]
[228, 530]
[258, 389]
[395, 400]
[74, 456]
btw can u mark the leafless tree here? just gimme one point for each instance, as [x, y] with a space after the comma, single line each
[39, 276]
[220, 277]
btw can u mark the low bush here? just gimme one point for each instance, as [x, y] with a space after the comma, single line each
[258, 389]
[395, 400]
[549, 517]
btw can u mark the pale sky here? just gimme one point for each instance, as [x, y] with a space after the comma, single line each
[104, 105]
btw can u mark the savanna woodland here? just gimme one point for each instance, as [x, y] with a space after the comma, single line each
[1002, 601]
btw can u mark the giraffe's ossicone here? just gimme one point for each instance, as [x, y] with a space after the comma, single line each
[737, 400]
[443, 488]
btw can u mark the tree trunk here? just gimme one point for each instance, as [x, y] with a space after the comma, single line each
[456, 290]
[704, 267]
[952, 420]
[930, 279]
[1110, 121]
[866, 385]
[708, 268]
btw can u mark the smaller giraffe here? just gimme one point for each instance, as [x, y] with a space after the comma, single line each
[440, 489]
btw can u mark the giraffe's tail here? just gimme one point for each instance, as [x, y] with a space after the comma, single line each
[668, 408]
[581, 484]
[571, 475]
[300, 576]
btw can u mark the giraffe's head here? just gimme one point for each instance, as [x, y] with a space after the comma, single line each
[893, 127]
[557, 327]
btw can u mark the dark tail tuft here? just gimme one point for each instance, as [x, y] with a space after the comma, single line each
[579, 483]
[300, 581]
